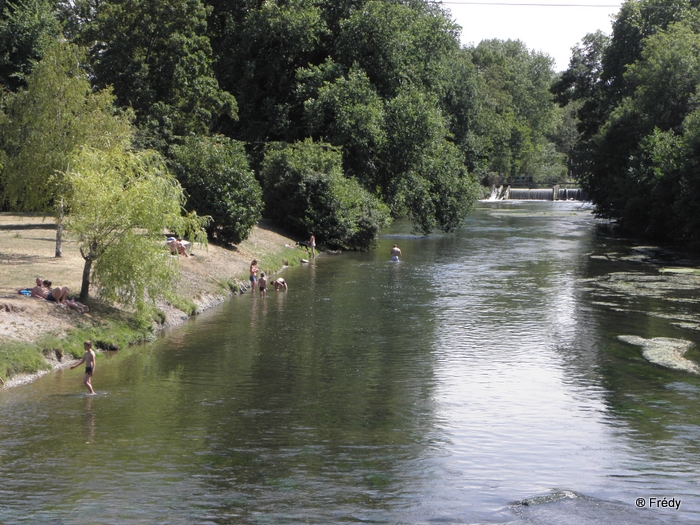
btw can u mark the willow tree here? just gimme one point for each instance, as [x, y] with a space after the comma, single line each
[121, 203]
[43, 126]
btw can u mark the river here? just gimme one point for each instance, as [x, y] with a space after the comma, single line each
[486, 378]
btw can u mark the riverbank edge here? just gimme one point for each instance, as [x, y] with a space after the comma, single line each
[279, 254]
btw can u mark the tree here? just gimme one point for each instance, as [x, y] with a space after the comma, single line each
[121, 203]
[158, 58]
[423, 175]
[398, 43]
[305, 191]
[259, 47]
[27, 29]
[631, 171]
[214, 172]
[46, 123]
[349, 113]
[518, 111]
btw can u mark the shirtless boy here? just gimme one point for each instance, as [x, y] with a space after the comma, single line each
[395, 253]
[262, 284]
[279, 284]
[89, 360]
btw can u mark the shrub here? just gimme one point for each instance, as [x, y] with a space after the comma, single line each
[305, 191]
[219, 182]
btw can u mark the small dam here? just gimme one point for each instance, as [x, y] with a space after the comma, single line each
[555, 193]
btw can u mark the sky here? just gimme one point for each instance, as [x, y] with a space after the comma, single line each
[550, 26]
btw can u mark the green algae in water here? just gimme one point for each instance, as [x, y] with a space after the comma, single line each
[664, 351]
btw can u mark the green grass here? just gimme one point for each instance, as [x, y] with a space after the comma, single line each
[271, 264]
[228, 285]
[111, 334]
[18, 357]
[183, 304]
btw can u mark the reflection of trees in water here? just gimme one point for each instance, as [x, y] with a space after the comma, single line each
[330, 391]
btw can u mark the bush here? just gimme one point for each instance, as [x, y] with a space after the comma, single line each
[305, 191]
[219, 182]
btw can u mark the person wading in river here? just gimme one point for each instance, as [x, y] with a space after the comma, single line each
[253, 275]
[89, 360]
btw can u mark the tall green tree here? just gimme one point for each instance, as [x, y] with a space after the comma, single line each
[398, 43]
[27, 29]
[423, 175]
[306, 191]
[637, 93]
[260, 46]
[518, 111]
[121, 203]
[348, 112]
[158, 58]
[44, 124]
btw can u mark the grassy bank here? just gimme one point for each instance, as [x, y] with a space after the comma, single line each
[36, 335]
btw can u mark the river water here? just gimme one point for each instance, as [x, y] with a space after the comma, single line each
[483, 379]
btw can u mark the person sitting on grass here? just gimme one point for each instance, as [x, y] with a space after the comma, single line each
[43, 290]
[177, 247]
[58, 295]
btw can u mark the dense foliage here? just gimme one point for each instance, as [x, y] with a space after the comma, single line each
[46, 123]
[27, 29]
[219, 183]
[414, 119]
[517, 119]
[637, 93]
[306, 191]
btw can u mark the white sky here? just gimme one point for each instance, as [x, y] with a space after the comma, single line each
[551, 28]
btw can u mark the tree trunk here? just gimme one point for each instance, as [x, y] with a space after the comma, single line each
[85, 287]
[59, 229]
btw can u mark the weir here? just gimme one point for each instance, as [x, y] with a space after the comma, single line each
[540, 194]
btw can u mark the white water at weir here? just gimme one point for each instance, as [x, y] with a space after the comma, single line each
[546, 194]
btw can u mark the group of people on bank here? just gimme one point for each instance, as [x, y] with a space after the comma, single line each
[44, 290]
[260, 281]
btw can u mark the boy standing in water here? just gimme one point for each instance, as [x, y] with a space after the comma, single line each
[89, 360]
[262, 284]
